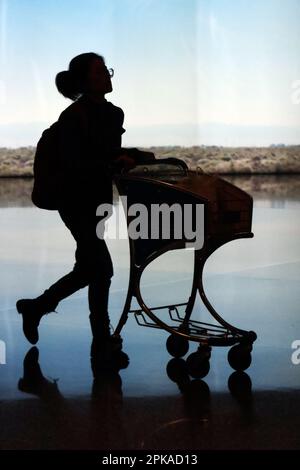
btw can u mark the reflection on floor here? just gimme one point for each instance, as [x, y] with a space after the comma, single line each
[52, 397]
[194, 418]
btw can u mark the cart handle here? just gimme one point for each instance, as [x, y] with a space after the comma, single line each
[167, 161]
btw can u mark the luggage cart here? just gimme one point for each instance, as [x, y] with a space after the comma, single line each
[227, 217]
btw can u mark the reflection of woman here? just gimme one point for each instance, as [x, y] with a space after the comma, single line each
[90, 131]
[104, 426]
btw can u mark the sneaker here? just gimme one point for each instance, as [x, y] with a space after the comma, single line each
[32, 312]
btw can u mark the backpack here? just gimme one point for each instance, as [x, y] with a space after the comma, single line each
[46, 170]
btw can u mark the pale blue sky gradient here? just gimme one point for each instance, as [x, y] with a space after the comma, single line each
[187, 72]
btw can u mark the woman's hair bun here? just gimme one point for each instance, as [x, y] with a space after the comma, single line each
[66, 85]
[72, 83]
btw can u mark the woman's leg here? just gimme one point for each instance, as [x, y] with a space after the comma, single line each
[93, 268]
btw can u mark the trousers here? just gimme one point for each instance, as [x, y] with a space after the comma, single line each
[93, 268]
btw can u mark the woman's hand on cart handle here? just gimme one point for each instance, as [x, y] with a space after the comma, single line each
[144, 157]
[124, 162]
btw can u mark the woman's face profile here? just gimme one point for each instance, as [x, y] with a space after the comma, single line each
[98, 78]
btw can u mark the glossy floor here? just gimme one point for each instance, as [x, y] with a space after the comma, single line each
[252, 283]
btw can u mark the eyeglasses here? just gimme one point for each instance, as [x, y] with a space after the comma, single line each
[111, 72]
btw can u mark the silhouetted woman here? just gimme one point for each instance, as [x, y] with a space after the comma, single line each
[90, 132]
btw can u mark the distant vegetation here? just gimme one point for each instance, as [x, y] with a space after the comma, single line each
[16, 162]
[16, 192]
[213, 159]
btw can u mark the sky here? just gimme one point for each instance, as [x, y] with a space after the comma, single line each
[187, 72]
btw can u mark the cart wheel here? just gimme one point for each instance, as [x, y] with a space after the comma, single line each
[197, 365]
[177, 346]
[177, 370]
[239, 357]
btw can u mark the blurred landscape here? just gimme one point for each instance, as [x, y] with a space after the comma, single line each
[16, 192]
[279, 159]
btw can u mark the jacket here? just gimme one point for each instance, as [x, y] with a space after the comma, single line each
[90, 137]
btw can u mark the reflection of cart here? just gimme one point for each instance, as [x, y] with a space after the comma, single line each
[227, 216]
